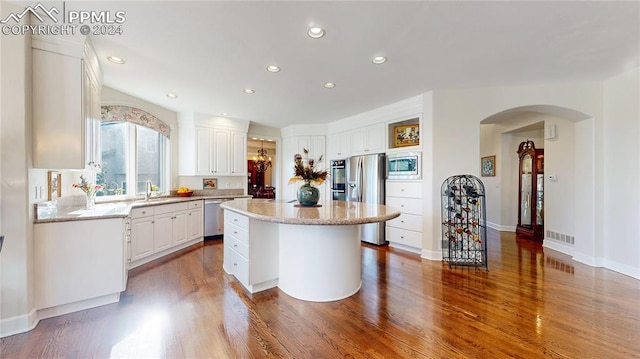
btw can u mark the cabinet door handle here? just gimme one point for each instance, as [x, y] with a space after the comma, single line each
[402, 205]
[401, 237]
[401, 189]
[235, 246]
[235, 232]
[401, 221]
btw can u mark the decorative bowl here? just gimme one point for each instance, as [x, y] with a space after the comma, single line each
[185, 194]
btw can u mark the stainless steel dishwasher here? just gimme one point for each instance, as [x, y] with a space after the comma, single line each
[213, 217]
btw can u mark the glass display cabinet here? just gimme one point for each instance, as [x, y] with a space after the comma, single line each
[531, 192]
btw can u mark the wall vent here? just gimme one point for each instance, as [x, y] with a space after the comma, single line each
[561, 237]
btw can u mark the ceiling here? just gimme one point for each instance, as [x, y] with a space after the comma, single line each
[208, 52]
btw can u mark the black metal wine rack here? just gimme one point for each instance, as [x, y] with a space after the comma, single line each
[464, 228]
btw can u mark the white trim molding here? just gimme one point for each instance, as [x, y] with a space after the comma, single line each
[18, 324]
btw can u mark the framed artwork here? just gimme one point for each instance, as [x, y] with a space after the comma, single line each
[54, 185]
[488, 166]
[209, 183]
[406, 135]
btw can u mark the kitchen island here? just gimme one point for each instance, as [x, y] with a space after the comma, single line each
[310, 253]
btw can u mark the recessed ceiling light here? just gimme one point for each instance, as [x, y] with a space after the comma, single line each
[248, 91]
[224, 114]
[379, 60]
[172, 95]
[329, 85]
[115, 60]
[273, 68]
[315, 32]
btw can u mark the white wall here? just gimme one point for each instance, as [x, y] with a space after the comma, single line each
[16, 213]
[456, 126]
[622, 173]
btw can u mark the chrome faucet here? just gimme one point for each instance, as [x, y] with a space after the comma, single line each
[147, 190]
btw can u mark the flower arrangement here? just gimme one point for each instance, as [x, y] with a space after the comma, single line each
[307, 173]
[86, 187]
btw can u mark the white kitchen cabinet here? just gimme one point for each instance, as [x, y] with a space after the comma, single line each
[195, 220]
[142, 228]
[220, 152]
[66, 97]
[204, 151]
[238, 153]
[338, 145]
[368, 140]
[250, 251]
[405, 232]
[160, 230]
[78, 261]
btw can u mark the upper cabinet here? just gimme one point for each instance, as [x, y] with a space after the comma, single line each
[66, 103]
[338, 145]
[212, 146]
[368, 140]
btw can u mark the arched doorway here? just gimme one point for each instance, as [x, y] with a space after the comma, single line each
[559, 131]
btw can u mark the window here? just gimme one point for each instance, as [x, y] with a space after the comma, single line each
[131, 154]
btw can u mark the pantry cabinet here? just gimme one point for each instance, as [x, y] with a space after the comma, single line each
[66, 104]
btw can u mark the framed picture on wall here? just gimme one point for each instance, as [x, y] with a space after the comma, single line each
[209, 183]
[54, 185]
[488, 166]
[406, 135]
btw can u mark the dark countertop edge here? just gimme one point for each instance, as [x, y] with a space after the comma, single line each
[312, 222]
[158, 202]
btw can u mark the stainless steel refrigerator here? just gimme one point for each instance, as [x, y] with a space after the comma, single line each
[365, 183]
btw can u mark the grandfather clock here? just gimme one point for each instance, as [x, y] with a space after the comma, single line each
[531, 192]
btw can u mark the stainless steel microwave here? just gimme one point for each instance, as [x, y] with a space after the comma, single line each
[404, 165]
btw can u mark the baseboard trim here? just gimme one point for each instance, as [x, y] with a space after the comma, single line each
[78, 306]
[557, 246]
[18, 324]
[404, 247]
[501, 228]
[625, 269]
[431, 255]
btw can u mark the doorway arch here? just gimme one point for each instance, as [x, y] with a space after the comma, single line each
[567, 136]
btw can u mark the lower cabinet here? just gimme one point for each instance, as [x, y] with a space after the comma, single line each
[78, 264]
[405, 232]
[159, 230]
[251, 251]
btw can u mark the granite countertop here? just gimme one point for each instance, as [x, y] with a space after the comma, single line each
[47, 212]
[329, 213]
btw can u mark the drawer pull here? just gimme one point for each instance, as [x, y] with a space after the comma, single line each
[235, 232]
[144, 212]
[401, 221]
[402, 205]
[401, 237]
[235, 264]
[235, 220]
[235, 245]
[402, 190]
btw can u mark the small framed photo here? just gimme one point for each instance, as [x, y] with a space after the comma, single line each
[209, 183]
[488, 166]
[406, 135]
[54, 185]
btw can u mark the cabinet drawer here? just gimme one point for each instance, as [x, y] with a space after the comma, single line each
[168, 208]
[232, 230]
[406, 205]
[404, 236]
[236, 265]
[407, 221]
[237, 245]
[404, 189]
[237, 219]
[141, 212]
[195, 204]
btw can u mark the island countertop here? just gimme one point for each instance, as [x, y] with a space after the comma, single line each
[328, 213]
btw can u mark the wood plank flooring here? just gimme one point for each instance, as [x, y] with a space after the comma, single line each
[533, 303]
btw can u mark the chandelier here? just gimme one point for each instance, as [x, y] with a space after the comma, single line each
[261, 162]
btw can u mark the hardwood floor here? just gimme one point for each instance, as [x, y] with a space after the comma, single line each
[533, 303]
